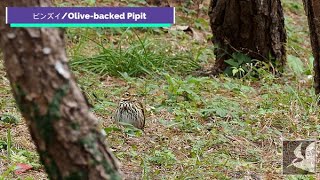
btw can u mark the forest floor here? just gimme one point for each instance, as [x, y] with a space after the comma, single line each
[196, 127]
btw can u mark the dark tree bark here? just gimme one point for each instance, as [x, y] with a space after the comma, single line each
[61, 125]
[312, 8]
[252, 27]
[154, 2]
[164, 2]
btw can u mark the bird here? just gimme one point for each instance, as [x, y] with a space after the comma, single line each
[130, 111]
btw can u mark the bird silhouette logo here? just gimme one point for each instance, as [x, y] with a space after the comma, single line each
[304, 157]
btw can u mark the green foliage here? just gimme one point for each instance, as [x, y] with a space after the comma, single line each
[130, 130]
[140, 57]
[17, 155]
[110, 129]
[309, 66]
[9, 144]
[6, 174]
[295, 64]
[185, 117]
[90, 2]
[221, 107]
[187, 89]
[239, 65]
[164, 157]
[3, 145]
[201, 23]
[293, 6]
[27, 157]
[9, 119]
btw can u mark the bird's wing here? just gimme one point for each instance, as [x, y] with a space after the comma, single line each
[297, 152]
[310, 151]
[140, 105]
[309, 163]
[142, 110]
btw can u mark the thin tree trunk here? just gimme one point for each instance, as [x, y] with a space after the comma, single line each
[312, 8]
[254, 27]
[64, 130]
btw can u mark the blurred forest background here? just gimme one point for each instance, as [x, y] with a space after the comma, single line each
[197, 127]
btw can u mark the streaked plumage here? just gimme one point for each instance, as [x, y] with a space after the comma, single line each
[130, 111]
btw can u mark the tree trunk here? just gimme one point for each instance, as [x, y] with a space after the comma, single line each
[154, 2]
[312, 8]
[64, 130]
[164, 3]
[252, 27]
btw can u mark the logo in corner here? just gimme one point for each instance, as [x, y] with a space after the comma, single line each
[299, 157]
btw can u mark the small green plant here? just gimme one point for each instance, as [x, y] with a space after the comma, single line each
[91, 2]
[186, 117]
[3, 145]
[294, 7]
[309, 66]
[295, 64]
[9, 120]
[14, 154]
[239, 65]
[146, 169]
[222, 107]
[130, 130]
[26, 157]
[110, 129]
[188, 89]
[163, 157]
[7, 172]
